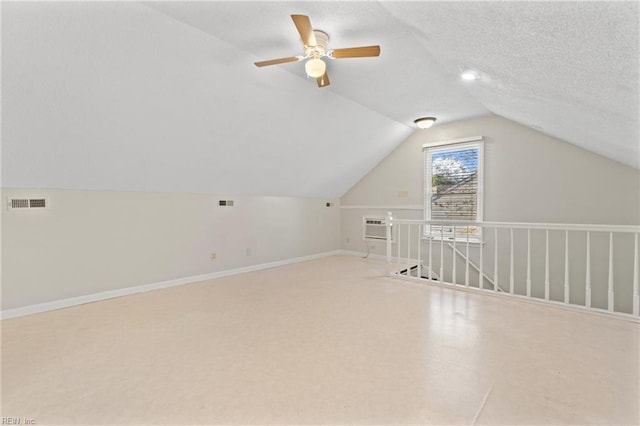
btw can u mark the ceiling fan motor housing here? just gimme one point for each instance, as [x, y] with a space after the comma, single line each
[320, 49]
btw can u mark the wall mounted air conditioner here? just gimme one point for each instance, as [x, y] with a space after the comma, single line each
[375, 228]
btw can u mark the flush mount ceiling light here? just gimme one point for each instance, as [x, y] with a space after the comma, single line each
[470, 75]
[425, 122]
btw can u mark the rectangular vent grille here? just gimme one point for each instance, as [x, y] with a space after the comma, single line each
[19, 203]
[27, 203]
[225, 203]
[40, 203]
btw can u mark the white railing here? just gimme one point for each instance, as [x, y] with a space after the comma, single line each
[592, 267]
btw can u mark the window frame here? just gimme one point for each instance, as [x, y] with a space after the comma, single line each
[443, 146]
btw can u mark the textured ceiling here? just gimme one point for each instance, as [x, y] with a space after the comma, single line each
[163, 96]
[568, 69]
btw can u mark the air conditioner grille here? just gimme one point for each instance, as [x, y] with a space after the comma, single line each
[376, 229]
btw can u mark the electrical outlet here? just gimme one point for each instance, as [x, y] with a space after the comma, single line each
[213, 256]
[248, 252]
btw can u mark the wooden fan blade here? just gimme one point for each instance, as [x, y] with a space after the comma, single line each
[303, 25]
[323, 81]
[277, 61]
[356, 52]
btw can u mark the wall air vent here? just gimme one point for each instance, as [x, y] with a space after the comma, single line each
[37, 203]
[27, 203]
[225, 203]
[375, 228]
[19, 203]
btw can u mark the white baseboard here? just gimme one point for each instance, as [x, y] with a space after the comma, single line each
[80, 300]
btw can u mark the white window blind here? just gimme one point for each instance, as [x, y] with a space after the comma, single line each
[453, 187]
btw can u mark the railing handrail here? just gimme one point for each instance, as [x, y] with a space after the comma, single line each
[466, 240]
[525, 225]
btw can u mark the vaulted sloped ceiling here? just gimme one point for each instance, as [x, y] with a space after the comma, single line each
[118, 96]
[164, 96]
[568, 69]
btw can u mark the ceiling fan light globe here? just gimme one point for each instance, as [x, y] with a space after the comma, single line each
[315, 67]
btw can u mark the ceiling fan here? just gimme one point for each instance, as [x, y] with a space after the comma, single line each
[315, 47]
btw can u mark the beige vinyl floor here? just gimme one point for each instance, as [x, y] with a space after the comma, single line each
[329, 341]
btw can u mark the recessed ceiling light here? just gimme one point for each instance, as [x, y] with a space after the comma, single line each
[470, 75]
[425, 122]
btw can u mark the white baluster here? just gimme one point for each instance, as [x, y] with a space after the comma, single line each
[430, 252]
[566, 267]
[511, 265]
[466, 270]
[610, 293]
[481, 277]
[528, 262]
[408, 249]
[441, 253]
[398, 243]
[636, 295]
[546, 266]
[419, 251]
[587, 292]
[389, 225]
[495, 260]
[453, 267]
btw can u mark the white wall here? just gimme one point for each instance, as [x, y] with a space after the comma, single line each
[94, 241]
[115, 95]
[529, 177]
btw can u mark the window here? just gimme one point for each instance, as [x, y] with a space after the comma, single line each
[453, 187]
